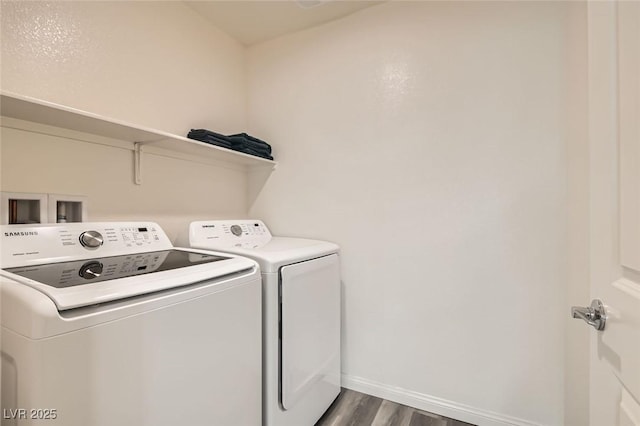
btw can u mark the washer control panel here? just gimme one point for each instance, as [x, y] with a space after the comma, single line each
[246, 234]
[28, 244]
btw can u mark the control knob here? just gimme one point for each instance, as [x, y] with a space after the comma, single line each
[91, 239]
[236, 230]
[91, 270]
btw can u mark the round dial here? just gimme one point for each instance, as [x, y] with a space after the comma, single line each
[236, 230]
[91, 270]
[91, 239]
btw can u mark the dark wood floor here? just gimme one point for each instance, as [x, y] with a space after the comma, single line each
[357, 409]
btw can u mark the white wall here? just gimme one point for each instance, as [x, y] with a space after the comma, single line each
[429, 139]
[156, 64]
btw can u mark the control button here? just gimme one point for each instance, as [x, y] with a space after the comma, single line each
[91, 270]
[236, 230]
[91, 239]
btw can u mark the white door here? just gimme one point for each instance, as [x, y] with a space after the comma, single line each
[310, 332]
[614, 143]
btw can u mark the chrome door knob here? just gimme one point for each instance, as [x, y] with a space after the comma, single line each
[594, 315]
[91, 239]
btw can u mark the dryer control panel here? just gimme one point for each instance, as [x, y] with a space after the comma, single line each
[246, 234]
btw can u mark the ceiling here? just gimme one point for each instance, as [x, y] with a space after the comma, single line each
[251, 22]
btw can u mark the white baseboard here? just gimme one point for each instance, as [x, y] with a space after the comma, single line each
[432, 404]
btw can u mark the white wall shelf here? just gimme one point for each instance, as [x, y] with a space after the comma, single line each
[51, 114]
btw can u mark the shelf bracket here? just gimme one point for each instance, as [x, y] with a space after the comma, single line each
[137, 163]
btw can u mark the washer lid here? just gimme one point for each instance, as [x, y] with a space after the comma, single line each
[87, 282]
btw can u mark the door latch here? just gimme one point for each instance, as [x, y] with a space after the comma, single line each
[593, 315]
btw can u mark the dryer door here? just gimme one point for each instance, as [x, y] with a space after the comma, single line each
[310, 330]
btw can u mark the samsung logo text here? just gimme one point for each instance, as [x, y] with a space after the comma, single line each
[20, 234]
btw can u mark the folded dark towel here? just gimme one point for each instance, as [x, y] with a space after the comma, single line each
[247, 150]
[208, 136]
[205, 132]
[214, 141]
[259, 149]
[240, 142]
[258, 146]
[211, 139]
[247, 136]
[252, 140]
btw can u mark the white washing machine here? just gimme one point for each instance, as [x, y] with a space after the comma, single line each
[301, 308]
[108, 324]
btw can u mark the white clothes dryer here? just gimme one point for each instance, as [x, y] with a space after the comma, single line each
[301, 315]
[108, 324]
